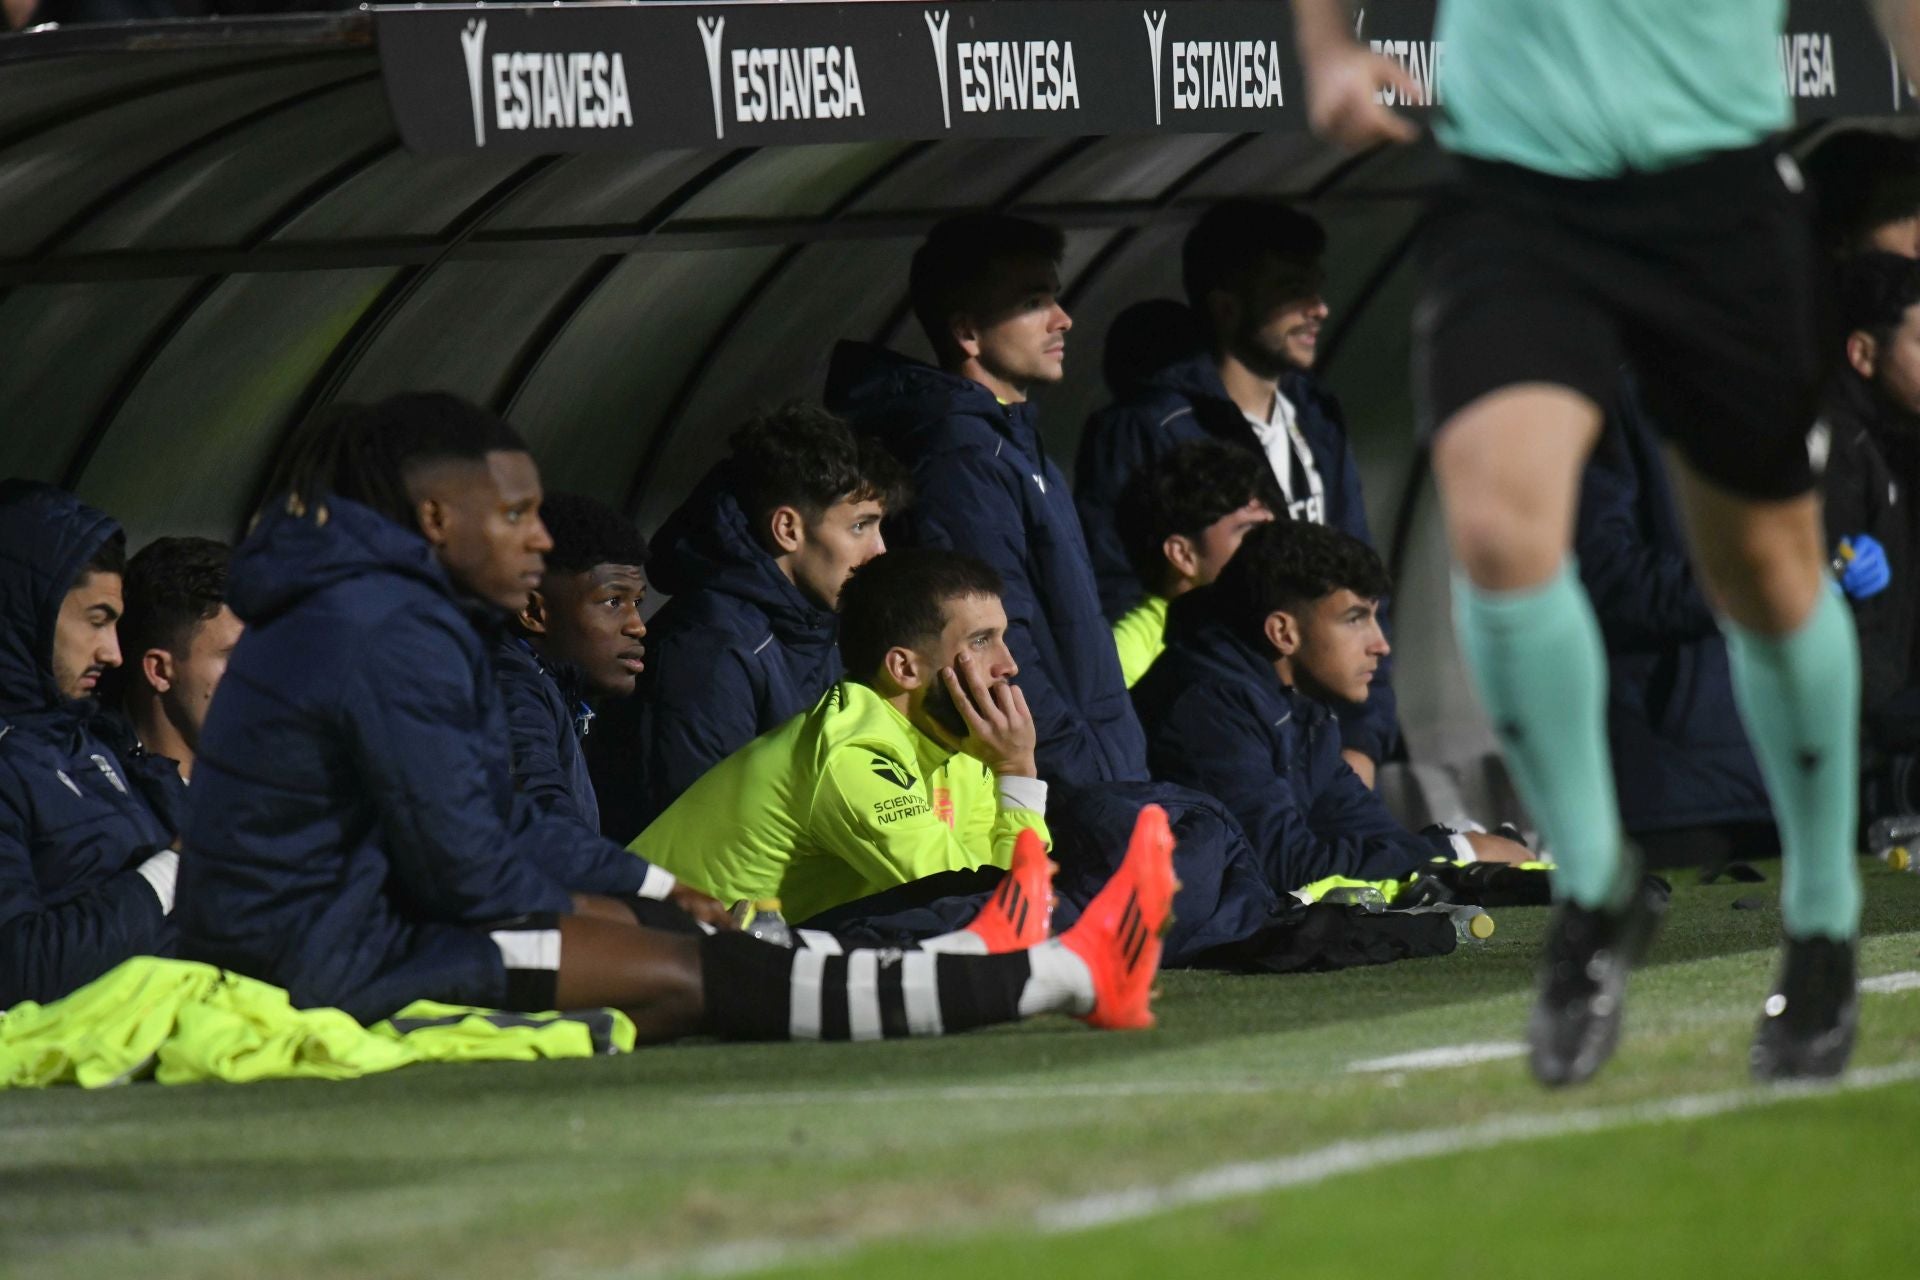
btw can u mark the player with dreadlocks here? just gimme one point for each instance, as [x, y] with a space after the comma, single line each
[356, 837]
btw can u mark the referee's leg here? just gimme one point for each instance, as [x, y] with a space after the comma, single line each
[1508, 466]
[1796, 673]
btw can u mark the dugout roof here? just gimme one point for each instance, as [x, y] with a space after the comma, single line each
[626, 225]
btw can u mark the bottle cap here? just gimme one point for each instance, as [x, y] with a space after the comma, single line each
[763, 905]
[1481, 926]
[1898, 858]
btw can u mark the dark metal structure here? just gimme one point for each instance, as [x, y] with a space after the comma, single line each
[210, 229]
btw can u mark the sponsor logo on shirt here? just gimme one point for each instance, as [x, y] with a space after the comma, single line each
[807, 82]
[1806, 64]
[1002, 75]
[943, 804]
[900, 808]
[894, 773]
[585, 89]
[1213, 75]
[1311, 509]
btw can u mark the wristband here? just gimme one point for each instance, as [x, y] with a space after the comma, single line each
[659, 882]
[161, 871]
[1017, 792]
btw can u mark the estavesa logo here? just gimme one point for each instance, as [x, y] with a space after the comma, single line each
[580, 90]
[1002, 75]
[1904, 91]
[807, 82]
[1213, 75]
[1806, 64]
[1420, 59]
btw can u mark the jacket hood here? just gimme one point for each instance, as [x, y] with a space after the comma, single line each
[1197, 378]
[909, 403]
[1197, 631]
[287, 558]
[1194, 378]
[707, 545]
[46, 537]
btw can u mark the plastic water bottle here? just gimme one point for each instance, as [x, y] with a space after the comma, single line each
[1891, 840]
[761, 918]
[1470, 924]
[1364, 896]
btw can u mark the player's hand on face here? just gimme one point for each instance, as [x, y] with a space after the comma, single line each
[1341, 104]
[1000, 732]
[707, 910]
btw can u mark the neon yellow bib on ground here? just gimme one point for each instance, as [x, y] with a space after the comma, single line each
[183, 1022]
[842, 801]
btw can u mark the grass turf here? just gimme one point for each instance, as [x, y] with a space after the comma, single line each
[933, 1157]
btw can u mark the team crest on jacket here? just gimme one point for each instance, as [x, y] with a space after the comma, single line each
[894, 773]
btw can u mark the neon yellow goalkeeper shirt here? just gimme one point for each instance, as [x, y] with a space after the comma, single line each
[842, 801]
[1141, 636]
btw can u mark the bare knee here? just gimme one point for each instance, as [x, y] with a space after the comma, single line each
[1508, 467]
[1503, 542]
[1761, 563]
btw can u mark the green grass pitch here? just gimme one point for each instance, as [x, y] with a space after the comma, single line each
[1236, 1139]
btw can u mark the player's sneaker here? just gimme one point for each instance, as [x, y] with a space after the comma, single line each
[1807, 1025]
[1583, 982]
[1019, 913]
[1118, 935]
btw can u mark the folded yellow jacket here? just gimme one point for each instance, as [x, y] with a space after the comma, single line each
[182, 1022]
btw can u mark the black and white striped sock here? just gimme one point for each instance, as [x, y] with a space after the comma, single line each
[758, 992]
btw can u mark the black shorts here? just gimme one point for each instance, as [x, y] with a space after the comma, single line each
[1699, 278]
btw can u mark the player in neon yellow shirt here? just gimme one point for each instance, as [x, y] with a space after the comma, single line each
[920, 761]
[1182, 519]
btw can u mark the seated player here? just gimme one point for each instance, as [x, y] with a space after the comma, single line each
[1181, 521]
[355, 836]
[1254, 282]
[920, 761]
[754, 562]
[87, 820]
[1237, 707]
[1866, 189]
[578, 637]
[175, 638]
[985, 289]
[1872, 412]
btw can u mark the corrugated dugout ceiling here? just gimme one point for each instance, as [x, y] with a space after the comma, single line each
[627, 225]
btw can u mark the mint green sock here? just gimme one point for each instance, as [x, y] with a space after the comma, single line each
[1800, 697]
[1541, 668]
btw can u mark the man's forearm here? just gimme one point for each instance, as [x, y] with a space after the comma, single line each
[1319, 25]
[1900, 23]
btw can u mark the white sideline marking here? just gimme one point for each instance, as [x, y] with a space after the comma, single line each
[1457, 1055]
[998, 1093]
[1892, 982]
[1452, 1055]
[1233, 1181]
